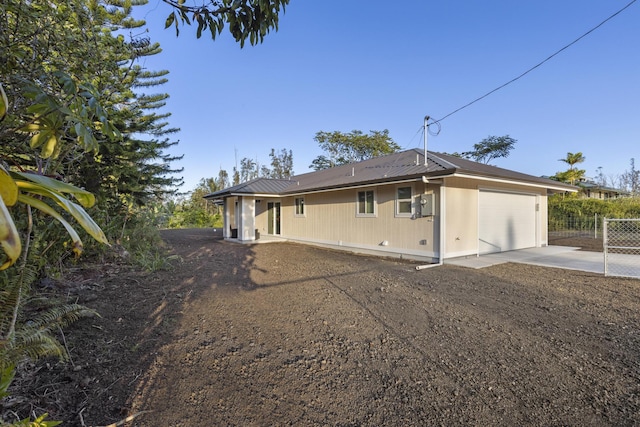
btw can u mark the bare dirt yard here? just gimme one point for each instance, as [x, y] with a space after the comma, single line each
[288, 334]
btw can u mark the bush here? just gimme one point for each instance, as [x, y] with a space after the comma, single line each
[570, 207]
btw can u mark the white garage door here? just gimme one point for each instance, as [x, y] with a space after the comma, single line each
[507, 221]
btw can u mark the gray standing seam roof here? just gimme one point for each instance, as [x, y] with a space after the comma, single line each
[393, 167]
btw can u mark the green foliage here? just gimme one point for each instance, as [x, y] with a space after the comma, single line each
[573, 213]
[142, 240]
[342, 148]
[195, 211]
[135, 235]
[490, 148]
[281, 167]
[6, 377]
[573, 159]
[246, 19]
[77, 114]
[75, 121]
[38, 422]
[561, 206]
[630, 179]
[188, 216]
[281, 164]
[25, 335]
[572, 175]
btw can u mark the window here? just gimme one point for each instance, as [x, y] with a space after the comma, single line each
[403, 201]
[299, 201]
[366, 203]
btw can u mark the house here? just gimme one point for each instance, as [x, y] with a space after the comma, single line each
[592, 190]
[396, 205]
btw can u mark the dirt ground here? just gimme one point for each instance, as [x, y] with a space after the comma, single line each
[288, 334]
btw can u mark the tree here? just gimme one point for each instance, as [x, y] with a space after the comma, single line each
[572, 175]
[55, 57]
[281, 164]
[248, 169]
[77, 118]
[490, 148]
[281, 167]
[573, 159]
[58, 109]
[342, 148]
[246, 19]
[195, 211]
[223, 179]
[601, 180]
[630, 179]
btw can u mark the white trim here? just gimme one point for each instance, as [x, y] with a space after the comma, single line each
[351, 187]
[397, 201]
[430, 179]
[468, 252]
[368, 249]
[508, 190]
[270, 195]
[442, 223]
[510, 181]
[274, 201]
[295, 207]
[375, 203]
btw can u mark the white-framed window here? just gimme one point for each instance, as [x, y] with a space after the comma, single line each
[299, 206]
[366, 203]
[404, 201]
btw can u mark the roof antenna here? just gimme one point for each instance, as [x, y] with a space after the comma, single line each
[426, 130]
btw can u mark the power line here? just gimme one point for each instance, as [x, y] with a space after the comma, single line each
[537, 65]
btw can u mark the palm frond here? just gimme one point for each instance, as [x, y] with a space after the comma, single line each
[14, 285]
[34, 337]
[60, 316]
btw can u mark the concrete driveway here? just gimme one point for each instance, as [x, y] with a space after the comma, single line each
[549, 256]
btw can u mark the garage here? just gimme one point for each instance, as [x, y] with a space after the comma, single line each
[507, 221]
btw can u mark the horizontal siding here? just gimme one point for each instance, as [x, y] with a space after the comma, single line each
[330, 218]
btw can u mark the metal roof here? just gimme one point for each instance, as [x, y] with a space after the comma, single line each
[588, 185]
[264, 186]
[394, 167]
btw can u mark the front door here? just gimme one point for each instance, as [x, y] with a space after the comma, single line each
[273, 218]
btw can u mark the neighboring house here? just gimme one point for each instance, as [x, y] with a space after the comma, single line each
[591, 190]
[396, 205]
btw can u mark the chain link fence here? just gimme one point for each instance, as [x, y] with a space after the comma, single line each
[575, 226]
[621, 239]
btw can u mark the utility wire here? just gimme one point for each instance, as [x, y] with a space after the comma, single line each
[537, 65]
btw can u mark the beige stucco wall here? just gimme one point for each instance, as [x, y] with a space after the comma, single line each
[261, 217]
[461, 211]
[330, 219]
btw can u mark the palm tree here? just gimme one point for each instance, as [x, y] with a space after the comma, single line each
[573, 159]
[573, 175]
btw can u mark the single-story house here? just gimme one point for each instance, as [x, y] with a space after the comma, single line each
[592, 190]
[396, 205]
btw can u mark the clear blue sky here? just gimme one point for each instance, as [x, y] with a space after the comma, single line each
[372, 65]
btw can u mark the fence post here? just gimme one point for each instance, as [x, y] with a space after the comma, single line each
[604, 243]
[595, 226]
